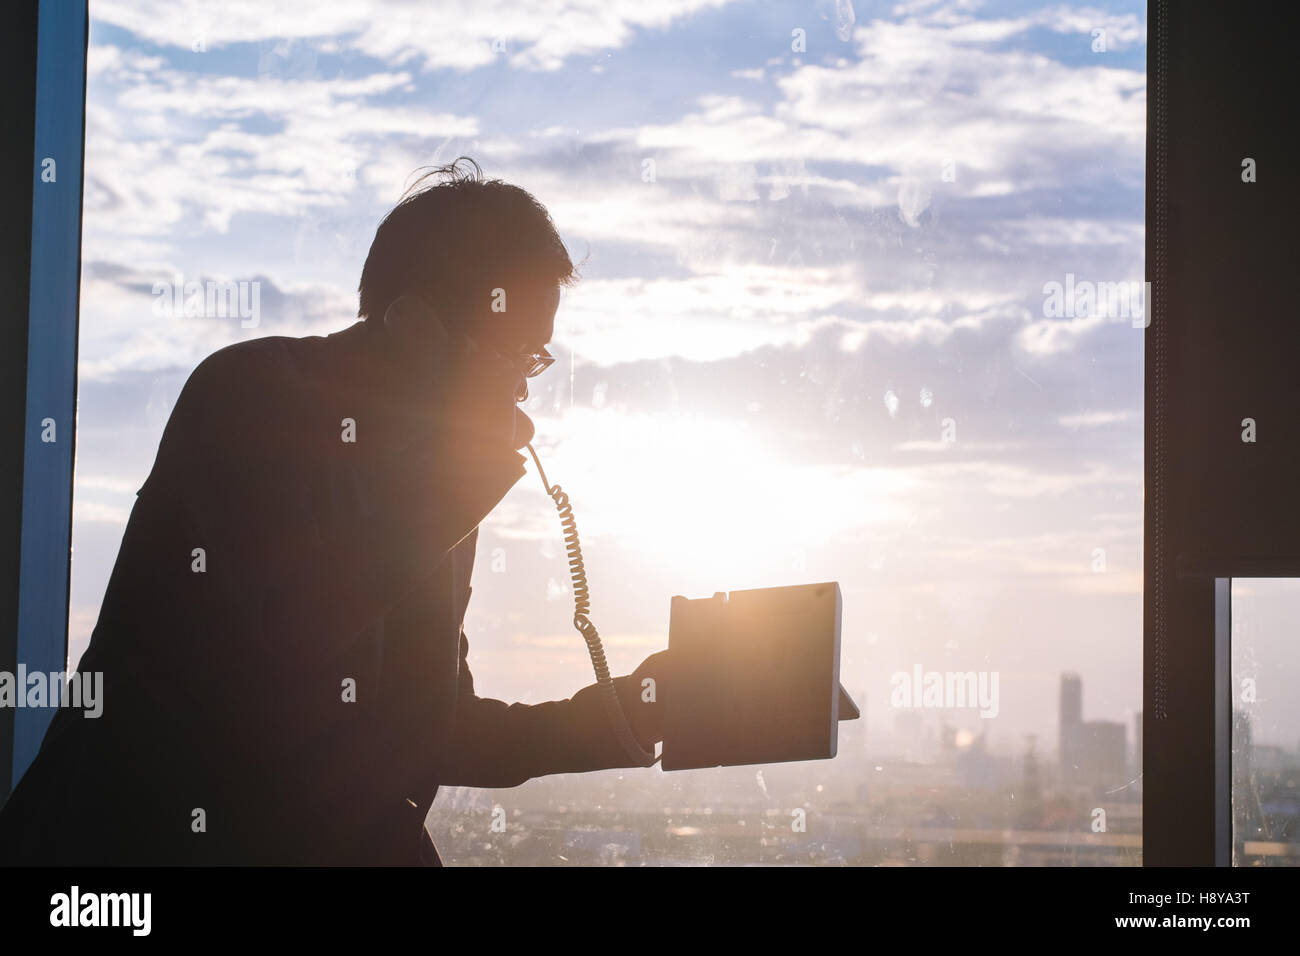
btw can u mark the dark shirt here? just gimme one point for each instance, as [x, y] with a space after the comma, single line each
[325, 562]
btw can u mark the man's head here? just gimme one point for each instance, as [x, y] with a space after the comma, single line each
[482, 253]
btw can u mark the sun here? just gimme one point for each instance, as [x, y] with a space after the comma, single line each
[708, 496]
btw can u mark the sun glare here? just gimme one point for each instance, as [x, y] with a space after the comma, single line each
[709, 496]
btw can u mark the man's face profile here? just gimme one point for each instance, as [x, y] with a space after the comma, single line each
[523, 330]
[526, 325]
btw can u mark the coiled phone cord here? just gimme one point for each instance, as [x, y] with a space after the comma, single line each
[581, 607]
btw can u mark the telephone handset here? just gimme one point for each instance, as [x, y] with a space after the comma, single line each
[410, 322]
[581, 621]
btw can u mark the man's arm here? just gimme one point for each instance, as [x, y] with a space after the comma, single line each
[501, 745]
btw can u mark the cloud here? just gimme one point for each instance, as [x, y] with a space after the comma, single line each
[734, 190]
[454, 34]
[1095, 419]
[121, 332]
[97, 511]
[718, 409]
[162, 144]
[1046, 337]
[921, 96]
[700, 317]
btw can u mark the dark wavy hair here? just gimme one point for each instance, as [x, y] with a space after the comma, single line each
[454, 237]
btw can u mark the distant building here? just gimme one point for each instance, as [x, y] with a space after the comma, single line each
[1071, 723]
[1137, 745]
[1029, 813]
[1247, 815]
[1092, 753]
[975, 767]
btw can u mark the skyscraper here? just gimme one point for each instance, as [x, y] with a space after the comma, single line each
[1137, 745]
[1071, 724]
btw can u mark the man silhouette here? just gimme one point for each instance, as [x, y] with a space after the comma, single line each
[285, 675]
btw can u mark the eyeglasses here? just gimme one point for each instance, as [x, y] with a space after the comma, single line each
[528, 364]
[532, 364]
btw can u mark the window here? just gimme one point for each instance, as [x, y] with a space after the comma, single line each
[861, 302]
[1265, 723]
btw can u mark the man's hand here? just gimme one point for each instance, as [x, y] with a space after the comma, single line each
[470, 388]
[482, 396]
[643, 698]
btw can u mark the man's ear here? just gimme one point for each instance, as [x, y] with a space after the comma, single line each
[412, 324]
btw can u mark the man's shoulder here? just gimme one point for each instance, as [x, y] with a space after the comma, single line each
[240, 404]
[244, 361]
[257, 375]
[238, 391]
[271, 361]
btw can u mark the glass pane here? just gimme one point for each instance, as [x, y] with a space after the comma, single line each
[1265, 722]
[842, 317]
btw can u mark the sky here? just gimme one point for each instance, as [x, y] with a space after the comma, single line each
[810, 342]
